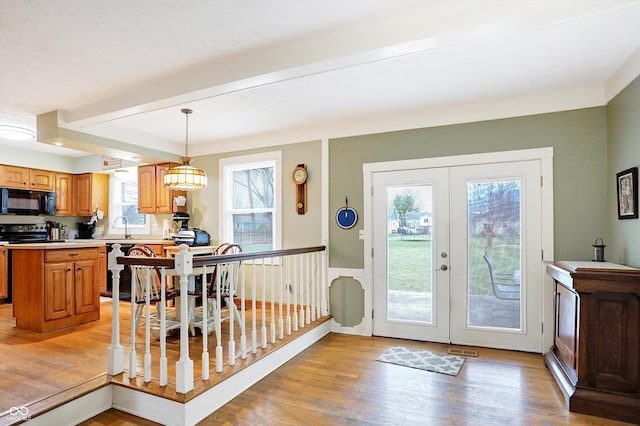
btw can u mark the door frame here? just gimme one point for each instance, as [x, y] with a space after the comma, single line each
[544, 155]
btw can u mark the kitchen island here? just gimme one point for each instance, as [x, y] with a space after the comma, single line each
[57, 285]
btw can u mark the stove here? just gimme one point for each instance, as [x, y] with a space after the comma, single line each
[24, 234]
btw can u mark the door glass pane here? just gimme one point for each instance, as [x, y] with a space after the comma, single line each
[409, 232]
[494, 252]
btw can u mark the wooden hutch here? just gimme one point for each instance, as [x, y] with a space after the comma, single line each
[595, 358]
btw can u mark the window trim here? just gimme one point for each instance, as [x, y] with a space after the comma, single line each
[226, 165]
[118, 227]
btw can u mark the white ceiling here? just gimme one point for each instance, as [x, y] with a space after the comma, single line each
[257, 72]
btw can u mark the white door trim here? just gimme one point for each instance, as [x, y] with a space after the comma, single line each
[545, 155]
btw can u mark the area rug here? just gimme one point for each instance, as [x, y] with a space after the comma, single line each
[423, 360]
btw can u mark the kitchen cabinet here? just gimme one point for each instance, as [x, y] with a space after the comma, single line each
[102, 269]
[25, 178]
[64, 194]
[90, 191]
[4, 289]
[55, 288]
[595, 359]
[153, 197]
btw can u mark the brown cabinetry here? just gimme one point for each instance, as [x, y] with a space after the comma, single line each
[595, 358]
[102, 269]
[64, 194]
[55, 288]
[153, 197]
[90, 191]
[25, 178]
[3, 274]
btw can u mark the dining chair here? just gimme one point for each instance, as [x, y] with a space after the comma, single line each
[139, 277]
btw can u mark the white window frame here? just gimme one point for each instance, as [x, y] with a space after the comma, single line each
[226, 168]
[114, 210]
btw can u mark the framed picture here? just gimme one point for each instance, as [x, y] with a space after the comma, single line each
[627, 182]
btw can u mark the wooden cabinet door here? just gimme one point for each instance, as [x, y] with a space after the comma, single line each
[58, 290]
[147, 189]
[64, 194]
[164, 201]
[82, 194]
[102, 269]
[87, 293]
[91, 191]
[566, 333]
[3, 273]
[14, 177]
[41, 180]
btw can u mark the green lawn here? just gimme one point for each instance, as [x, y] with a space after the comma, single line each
[410, 262]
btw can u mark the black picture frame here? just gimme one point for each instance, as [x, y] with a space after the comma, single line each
[627, 188]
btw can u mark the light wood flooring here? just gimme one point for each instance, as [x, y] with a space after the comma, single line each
[335, 382]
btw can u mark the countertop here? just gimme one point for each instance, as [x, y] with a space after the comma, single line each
[86, 243]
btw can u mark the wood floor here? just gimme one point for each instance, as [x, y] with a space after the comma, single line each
[336, 381]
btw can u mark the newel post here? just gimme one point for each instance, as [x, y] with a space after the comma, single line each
[184, 366]
[115, 353]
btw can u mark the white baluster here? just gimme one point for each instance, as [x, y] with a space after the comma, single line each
[133, 362]
[147, 326]
[218, 318]
[264, 304]
[280, 318]
[243, 336]
[289, 289]
[232, 338]
[273, 301]
[301, 280]
[164, 379]
[254, 331]
[294, 283]
[307, 284]
[115, 353]
[312, 283]
[205, 326]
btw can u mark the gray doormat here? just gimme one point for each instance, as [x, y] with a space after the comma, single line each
[423, 360]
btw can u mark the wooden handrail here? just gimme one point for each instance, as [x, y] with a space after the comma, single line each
[169, 262]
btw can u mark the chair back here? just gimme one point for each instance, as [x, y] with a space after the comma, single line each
[492, 274]
[139, 275]
[228, 272]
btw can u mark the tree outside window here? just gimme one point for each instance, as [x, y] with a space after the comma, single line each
[250, 203]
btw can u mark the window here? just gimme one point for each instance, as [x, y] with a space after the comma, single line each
[250, 201]
[124, 203]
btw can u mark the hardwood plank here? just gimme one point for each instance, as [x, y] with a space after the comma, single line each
[335, 381]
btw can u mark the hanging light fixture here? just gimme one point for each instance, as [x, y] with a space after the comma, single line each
[185, 177]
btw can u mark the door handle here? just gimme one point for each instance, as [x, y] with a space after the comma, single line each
[442, 268]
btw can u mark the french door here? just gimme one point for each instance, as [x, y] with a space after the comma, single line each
[456, 254]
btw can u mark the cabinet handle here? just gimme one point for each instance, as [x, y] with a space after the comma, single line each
[79, 269]
[69, 270]
[73, 254]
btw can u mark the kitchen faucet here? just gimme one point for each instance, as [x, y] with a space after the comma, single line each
[127, 236]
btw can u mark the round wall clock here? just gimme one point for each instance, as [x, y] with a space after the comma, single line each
[300, 175]
[346, 217]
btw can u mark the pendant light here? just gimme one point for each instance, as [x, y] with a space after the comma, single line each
[185, 177]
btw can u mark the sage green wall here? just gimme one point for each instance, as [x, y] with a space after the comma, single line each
[298, 230]
[580, 179]
[623, 126]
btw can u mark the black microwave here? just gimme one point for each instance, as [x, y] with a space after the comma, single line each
[27, 202]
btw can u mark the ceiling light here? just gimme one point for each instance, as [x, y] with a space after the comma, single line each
[16, 133]
[185, 177]
[121, 173]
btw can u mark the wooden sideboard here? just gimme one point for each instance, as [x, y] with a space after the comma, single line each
[595, 358]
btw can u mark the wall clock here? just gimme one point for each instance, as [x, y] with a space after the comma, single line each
[346, 217]
[300, 176]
